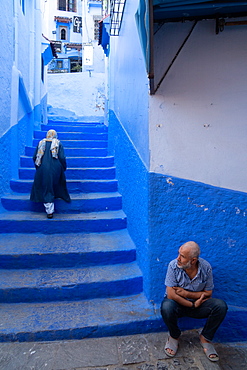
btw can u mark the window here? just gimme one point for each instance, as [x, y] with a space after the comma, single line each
[59, 64]
[71, 5]
[62, 5]
[67, 5]
[57, 45]
[63, 33]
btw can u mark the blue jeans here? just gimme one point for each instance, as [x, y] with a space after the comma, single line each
[213, 309]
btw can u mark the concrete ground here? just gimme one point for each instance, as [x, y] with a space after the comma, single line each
[76, 95]
[136, 352]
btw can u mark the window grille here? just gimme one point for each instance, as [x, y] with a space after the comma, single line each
[96, 20]
[116, 14]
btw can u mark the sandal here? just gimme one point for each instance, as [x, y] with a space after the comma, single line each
[171, 344]
[209, 350]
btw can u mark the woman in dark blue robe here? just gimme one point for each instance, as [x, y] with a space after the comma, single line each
[49, 181]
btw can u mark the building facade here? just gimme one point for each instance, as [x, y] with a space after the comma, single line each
[72, 25]
[24, 55]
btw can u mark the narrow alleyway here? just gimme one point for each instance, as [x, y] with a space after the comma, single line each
[76, 275]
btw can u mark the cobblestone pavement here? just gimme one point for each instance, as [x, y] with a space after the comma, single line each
[136, 352]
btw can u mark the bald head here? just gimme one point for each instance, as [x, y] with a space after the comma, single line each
[192, 248]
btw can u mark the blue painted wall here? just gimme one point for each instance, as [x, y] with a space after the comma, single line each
[182, 210]
[132, 177]
[10, 150]
[128, 131]
[164, 212]
[12, 145]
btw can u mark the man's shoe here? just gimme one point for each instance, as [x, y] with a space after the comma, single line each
[172, 345]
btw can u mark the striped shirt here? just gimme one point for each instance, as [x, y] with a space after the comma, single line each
[203, 280]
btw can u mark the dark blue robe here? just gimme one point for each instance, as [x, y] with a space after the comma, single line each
[49, 180]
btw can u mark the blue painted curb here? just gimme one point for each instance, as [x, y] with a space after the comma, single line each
[76, 162]
[75, 173]
[77, 319]
[75, 152]
[98, 318]
[69, 284]
[20, 251]
[79, 143]
[95, 202]
[74, 127]
[63, 136]
[26, 222]
[74, 186]
[84, 121]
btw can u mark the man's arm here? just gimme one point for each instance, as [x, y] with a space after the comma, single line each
[171, 294]
[199, 297]
[192, 295]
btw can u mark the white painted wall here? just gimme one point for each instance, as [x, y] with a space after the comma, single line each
[88, 13]
[198, 126]
[20, 59]
[128, 83]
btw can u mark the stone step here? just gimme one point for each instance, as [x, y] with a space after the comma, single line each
[32, 222]
[75, 173]
[73, 127]
[76, 162]
[66, 320]
[74, 152]
[61, 284]
[79, 143]
[65, 250]
[87, 122]
[89, 202]
[74, 135]
[74, 186]
[76, 274]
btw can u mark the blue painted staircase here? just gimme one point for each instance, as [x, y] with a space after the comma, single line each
[75, 275]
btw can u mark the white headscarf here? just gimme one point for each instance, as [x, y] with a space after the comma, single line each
[50, 136]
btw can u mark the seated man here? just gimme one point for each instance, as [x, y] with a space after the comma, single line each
[189, 286]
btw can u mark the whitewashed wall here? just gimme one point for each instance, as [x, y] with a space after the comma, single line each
[128, 83]
[198, 127]
[22, 93]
